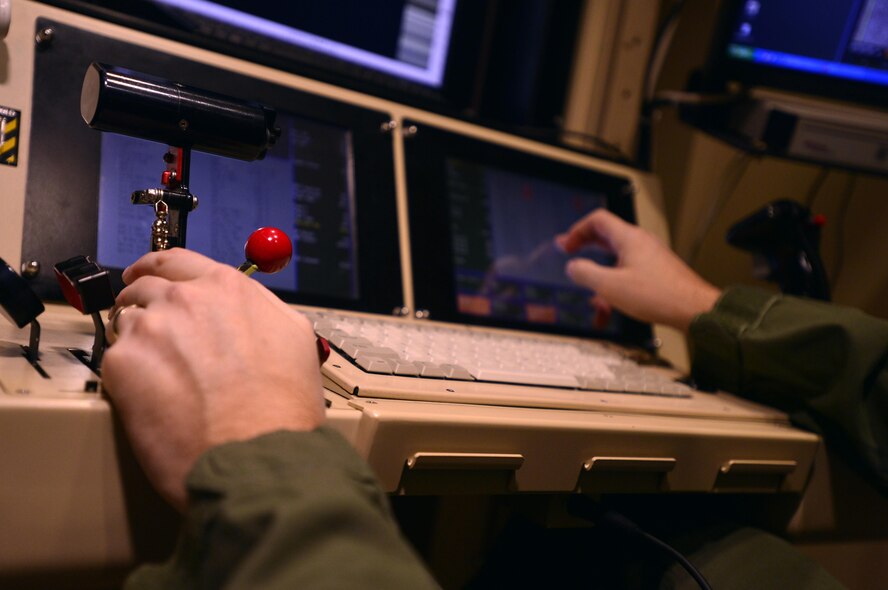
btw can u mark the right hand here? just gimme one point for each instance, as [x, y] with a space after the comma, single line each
[208, 356]
[649, 282]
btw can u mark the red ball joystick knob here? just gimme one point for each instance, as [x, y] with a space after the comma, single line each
[268, 250]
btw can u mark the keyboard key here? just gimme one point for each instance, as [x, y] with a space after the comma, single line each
[549, 379]
[456, 372]
[373, 364]
[334, 336]
[377, 351]
[350, 346]
[405, 368]
[430, 370]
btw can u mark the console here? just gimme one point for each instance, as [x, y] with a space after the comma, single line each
[357, 183]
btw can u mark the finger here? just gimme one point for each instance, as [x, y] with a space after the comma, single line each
[120, 321]
[589, 274]
[599, 227]
[143, 292]
[176, 264]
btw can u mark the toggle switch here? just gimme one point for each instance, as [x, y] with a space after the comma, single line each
[87, 287]
[20, 305]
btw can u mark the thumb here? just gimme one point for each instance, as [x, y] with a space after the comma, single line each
[586, 273]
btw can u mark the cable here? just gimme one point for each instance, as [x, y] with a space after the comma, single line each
[816, 186]
[662, 41]
[581, 506]
[840, 226]
[730, 180]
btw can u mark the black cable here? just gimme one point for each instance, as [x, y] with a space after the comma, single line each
[841, 216]
[581, 506]
[731, 176]
[816, 186]
[644, 150]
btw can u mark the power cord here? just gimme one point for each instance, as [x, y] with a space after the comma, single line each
[583, 507]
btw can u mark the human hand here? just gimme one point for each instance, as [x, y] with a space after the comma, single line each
[649, 282]
[208, 357]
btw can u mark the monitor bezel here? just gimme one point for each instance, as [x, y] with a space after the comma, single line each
[61, 203]
[721, 70]
[426, 154]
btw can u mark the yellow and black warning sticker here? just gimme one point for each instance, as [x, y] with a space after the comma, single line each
[10, 121]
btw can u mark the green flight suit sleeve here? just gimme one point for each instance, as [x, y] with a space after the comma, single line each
[286, 510]
[825, 365]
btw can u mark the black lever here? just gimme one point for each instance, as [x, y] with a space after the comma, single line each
[87, 287]
[20, 305]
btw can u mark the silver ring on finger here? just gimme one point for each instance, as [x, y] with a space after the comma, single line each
[111, 332]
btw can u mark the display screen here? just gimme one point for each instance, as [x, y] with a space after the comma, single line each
[305, 186]
[840, 39]
[407, 39]
[506, 265]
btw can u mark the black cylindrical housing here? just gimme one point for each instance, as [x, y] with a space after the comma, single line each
[123, 101]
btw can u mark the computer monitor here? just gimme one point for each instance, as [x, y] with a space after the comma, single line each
[407, 39]
[834, 49]
[482, 222]
[425, 52]
[328, 182]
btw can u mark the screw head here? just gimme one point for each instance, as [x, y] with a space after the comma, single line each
[30, 269]
[44, 36]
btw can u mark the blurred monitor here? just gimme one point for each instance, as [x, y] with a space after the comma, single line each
[407, 39]
[832, 49]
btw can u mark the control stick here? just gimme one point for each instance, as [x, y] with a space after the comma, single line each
[20, 305]
[87, 287]
[269, 250]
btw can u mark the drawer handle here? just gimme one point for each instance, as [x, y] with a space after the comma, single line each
[502, 461]
[631, 464]
[760, 467]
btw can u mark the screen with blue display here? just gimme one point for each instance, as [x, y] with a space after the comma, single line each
[506, 264]
[840, 39]
[304, 186]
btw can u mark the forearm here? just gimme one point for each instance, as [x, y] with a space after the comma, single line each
[287, 510]
[824, 364]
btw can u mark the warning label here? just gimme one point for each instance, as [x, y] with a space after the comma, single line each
[10, 121]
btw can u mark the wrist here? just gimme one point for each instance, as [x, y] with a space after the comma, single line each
[702, 299]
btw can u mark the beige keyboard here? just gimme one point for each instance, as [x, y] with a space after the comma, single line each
[432, 351]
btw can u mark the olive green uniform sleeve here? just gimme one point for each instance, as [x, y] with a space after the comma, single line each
[824, 364]
[286, 510]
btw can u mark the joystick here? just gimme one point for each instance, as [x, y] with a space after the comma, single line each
[87, 287]
[784, 240]
[20, 305]
[267, 250]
